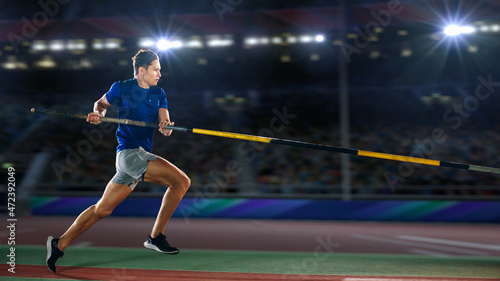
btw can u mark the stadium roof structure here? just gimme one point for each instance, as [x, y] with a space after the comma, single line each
[103, 19]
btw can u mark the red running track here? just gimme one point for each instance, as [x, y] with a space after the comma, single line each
[267, 235]
[92, 273]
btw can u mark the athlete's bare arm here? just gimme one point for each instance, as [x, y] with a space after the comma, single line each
[164, 119]
[100, 107]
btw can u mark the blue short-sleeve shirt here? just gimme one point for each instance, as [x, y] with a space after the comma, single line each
[136, 103]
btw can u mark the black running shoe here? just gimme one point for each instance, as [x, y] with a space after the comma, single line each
[160, 244]
[53, 253]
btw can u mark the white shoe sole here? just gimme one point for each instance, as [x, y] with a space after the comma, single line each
[49, 248]
[153, 247]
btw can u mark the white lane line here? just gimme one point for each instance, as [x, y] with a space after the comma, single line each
[450, 242]
[428, 253]
[420, 245]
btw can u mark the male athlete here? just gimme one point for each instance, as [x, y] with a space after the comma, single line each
[138, 99]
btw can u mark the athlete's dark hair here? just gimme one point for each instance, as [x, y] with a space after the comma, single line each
[144, 58]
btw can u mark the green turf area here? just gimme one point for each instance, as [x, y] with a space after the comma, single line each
[268, 262]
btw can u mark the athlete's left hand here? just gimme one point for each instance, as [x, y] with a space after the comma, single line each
[163, 131]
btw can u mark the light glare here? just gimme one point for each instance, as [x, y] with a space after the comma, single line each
[252, 41]
[454, 30]
[319, 38]
[56, 45]
[164, 44]
[146, 42]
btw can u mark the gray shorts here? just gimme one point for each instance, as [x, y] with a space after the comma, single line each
[131, 164]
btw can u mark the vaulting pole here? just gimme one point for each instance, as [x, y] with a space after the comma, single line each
[343, 150]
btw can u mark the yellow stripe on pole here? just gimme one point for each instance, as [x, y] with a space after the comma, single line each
[231, 135]
[398, 158]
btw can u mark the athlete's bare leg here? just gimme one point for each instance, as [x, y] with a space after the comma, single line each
[113, 195]
[162, 172]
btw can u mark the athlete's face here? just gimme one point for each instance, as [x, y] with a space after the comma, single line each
[152, 73]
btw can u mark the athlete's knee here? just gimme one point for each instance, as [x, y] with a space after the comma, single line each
[181, 183]
[185, 183]
[102, 212]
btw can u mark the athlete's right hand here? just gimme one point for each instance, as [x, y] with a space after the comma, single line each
[93, 118]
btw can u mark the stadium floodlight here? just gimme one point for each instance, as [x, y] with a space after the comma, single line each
[146, 42]
[46, 62]
[277, 40]
[98, 44]
[214, 41]
[292, 40]
[76, 45]
[39, 45]
[467, 29]
[264, 40]
[164, 44]
[194, 43]
[305, 39]
[219, 42]
[484, 28]
[455, 30]
[251, 41]
[56, 45]
[175, 44]
[112, 43]
[452, 30]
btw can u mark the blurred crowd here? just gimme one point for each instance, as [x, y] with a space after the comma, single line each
[401, 122]
[396, 121]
